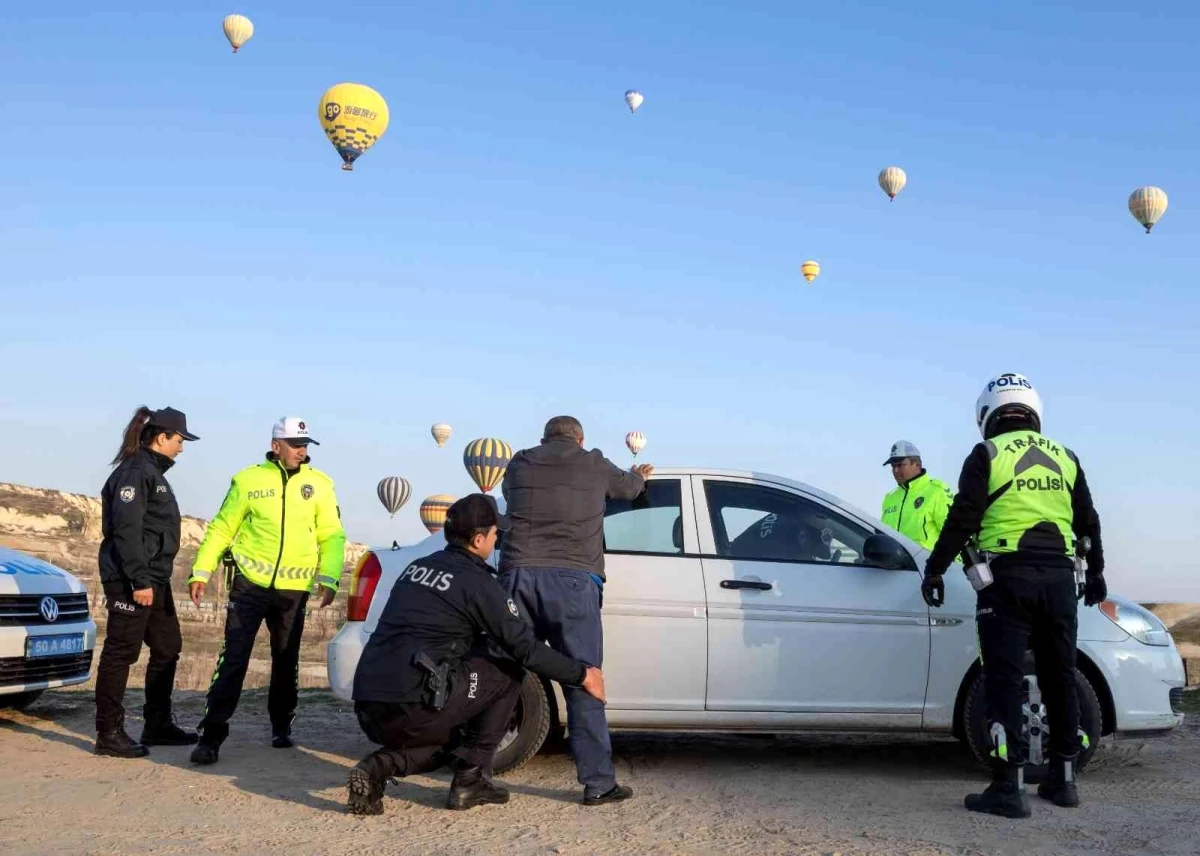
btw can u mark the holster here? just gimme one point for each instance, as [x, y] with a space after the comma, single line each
[438, 680]
[230, 567]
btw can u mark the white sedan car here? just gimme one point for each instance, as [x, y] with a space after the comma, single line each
[745, 602]
[47, 636]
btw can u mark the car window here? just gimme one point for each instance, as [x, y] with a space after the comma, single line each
[651, 523]
[756, 522]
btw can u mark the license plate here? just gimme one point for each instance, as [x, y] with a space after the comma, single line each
[54, 646]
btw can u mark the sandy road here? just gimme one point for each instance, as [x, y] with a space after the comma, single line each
[722, 795]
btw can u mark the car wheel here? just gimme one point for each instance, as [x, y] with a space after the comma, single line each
[975, 725]
[20, 701]
[527, 729]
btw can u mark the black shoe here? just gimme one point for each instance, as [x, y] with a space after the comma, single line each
[1060, 788]
[614, 794]
[206, 753]
[364, 794]
[281, 740]
[117, 744]
[165, 732]
[1005, 796]
[470, 789]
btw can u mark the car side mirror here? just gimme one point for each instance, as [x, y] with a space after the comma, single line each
[883, 551]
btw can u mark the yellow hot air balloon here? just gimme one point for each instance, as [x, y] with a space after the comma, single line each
[486, 460]
[810, 269]
[238, 29]
[354, 118]
[433, 511]
[892, 180]
[1147, 204]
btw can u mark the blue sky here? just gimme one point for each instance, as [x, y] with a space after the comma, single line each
[176, 230]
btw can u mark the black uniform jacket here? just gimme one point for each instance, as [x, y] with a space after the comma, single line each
[441, 605]
[139, 523]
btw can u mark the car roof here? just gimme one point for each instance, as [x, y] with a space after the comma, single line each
[769, 478]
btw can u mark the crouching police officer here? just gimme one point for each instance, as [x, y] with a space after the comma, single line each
[1024, 498]
[425, 670]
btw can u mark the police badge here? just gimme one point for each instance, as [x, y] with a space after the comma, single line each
[512, 607]
[128, 493]
[306, 491]
[920, 501]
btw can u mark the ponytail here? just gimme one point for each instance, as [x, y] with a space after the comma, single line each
[134, 437]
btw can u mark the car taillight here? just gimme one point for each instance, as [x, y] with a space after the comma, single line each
[362, 586]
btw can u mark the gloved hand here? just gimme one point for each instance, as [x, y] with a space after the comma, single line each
[933, 589]
[1095, 590]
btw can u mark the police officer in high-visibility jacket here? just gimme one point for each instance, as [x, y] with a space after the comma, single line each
[918, 506]
[1024, 499]
[282, 528]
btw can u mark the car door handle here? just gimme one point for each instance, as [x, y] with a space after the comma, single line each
[741, 584]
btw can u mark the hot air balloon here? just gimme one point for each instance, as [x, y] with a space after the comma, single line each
[636, 441]
[354, 118]
[892, 179]
[486, 460]
[634, 99]
[238, 29]
[433, 511]
[393, 492]
[441, 433]
[810, 270]
[1147, 204]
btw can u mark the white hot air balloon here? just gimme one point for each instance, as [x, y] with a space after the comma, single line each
[892, 179]
[1147, 204]
[393, 492]
[238, 29]
[441, 433]
[634, 99]
[636, 441]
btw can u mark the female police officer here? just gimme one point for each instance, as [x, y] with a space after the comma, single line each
[137, 553]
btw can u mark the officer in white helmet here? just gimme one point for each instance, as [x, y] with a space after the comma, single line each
[1023, 499]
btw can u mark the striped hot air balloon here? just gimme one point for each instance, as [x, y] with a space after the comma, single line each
[1147, 204]
[433, 511]
[393, 492]
[486, 460]
[810, 270]
[892, 180]
[636, 441]
[441, 433]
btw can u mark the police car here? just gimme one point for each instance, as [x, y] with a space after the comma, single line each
[47, 636]
[746, 602]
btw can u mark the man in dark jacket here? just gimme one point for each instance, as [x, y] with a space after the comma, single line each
[552, 564]
[425, 670]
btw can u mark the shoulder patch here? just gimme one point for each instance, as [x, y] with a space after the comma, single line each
[306, 491]
[128, 493]
[512, 607]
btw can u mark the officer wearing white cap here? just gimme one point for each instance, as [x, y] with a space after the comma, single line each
[279, 533]
[918, 506]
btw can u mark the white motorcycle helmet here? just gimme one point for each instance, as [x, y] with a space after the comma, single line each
[1009, 390]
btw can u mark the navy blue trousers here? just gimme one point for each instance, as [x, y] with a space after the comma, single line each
[563, 606]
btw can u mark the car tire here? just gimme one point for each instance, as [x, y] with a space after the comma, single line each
[975, 726]
[20, 701]
[528, 727]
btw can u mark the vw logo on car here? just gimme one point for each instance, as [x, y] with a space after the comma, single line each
[49, 609]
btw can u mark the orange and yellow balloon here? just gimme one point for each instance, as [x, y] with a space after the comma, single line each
[433, 511]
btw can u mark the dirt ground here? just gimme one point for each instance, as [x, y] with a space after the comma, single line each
[693, 794]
